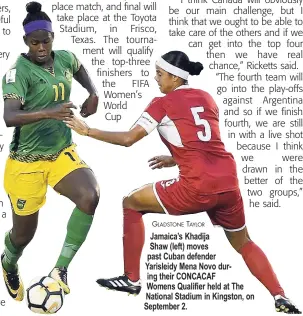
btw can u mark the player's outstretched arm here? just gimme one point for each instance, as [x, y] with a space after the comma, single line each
[14, 115]
[126, 139]
[90, 105]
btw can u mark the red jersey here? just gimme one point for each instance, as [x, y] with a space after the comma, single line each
[188, 123]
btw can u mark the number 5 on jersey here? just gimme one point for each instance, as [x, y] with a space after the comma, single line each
[198, 121]
[59, 88]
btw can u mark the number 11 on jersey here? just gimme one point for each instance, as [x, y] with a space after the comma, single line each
[62, 90]
[198, 121]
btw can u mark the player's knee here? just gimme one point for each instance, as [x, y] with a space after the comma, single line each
[130, 202]
[88, 201]
[239, 244]
[126, 203]
[238, 239]
[22, 239]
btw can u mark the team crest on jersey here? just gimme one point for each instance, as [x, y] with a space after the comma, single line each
[10, 76]
[21, 204]
[68, 75]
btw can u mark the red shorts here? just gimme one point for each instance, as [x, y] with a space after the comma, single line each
[224, 209]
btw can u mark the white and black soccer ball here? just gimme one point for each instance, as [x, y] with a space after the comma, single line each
[44, 295]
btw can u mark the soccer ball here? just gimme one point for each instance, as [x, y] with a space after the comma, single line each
[44, 295]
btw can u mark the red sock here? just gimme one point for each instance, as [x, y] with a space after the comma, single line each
[260, 267]
[133, 241]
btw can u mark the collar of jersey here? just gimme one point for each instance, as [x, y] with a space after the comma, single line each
[54, 58]
[184, 86]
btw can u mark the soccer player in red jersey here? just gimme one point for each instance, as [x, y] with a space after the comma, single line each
[187, 120]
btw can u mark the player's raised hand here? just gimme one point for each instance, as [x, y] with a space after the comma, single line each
[77, 125]
[89, 106]
[159, 162]
[61, 111]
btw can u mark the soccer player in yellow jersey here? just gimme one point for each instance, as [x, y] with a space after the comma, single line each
[36, 93]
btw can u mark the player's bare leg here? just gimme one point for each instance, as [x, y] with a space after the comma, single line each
[23, 231]
[260, 267]
[81, 187]
[136, 204]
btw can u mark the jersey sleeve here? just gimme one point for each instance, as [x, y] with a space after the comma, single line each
[14, 85]
[75, 63]
[152, 115]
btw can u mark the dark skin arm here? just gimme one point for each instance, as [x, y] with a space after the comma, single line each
[126, 139]
[83, 78]
[14, 115]
[90, 105]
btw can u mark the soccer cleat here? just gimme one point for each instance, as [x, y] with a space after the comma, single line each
[284, 305]
[13, 283]
[60, 275]
[122, 284]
